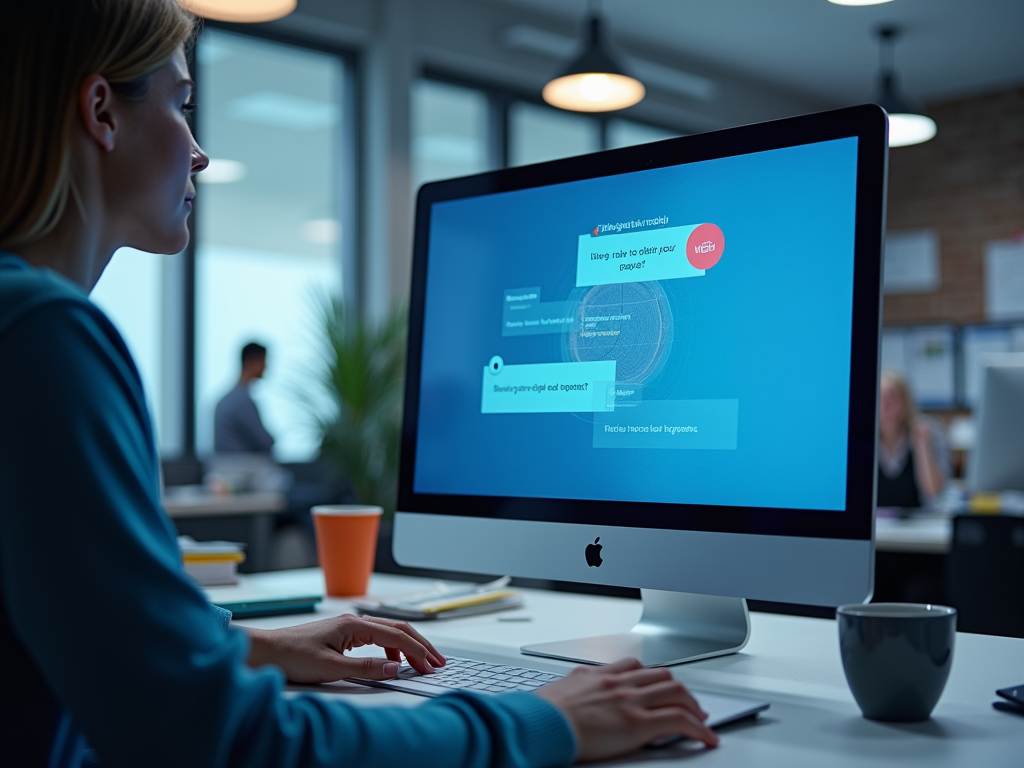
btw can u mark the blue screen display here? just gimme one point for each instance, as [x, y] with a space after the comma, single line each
[676, 335]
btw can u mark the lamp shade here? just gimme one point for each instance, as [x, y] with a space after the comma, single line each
[240, 11]
[908, 124]
[594, 81]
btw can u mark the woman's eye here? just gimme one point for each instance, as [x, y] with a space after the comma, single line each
[188, 108]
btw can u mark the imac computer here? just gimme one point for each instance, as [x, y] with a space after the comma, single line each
[997, 462]
[654, 367]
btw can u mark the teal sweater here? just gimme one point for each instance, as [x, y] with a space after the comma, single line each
[102, 639]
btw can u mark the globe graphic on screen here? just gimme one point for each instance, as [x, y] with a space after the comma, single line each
[630, 323]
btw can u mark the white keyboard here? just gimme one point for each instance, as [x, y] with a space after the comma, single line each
[465, 675]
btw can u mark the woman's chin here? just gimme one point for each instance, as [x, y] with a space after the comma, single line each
[169, 243]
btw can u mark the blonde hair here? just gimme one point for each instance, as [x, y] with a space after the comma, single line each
[897, 380]
[47, 48]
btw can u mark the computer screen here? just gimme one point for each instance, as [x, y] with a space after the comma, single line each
[653, 367]
[675, 335]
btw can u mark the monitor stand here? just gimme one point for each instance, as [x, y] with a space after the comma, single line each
[675, 627]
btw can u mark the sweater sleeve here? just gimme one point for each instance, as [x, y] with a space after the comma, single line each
[92, 580]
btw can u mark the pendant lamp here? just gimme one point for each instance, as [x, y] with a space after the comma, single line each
[594, 81]
[240, 11]
[908, 124]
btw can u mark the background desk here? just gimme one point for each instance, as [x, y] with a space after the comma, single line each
[910, 560]
[924, 535]
[793, 662]
[245, 517]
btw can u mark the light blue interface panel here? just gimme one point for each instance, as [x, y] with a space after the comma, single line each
[674, 335]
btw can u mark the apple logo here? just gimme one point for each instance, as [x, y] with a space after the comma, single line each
[593, 554]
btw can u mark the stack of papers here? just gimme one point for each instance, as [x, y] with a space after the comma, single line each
[211, 563]
[444, 601]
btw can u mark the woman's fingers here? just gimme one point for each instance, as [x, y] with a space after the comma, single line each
[670, 721]
[389, 637]
[658, 685]
[669, 693]
[434, 657]
[635, 678]
[367, 667]
[622, 665]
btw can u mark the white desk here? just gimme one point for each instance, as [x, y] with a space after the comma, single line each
[792, 662]
[925, 535]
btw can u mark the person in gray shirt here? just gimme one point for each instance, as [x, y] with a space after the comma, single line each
[237, 427]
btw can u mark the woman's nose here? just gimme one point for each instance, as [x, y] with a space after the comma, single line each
[199, 159]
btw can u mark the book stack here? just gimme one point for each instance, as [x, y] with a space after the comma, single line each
[444, 601]
[211, 563]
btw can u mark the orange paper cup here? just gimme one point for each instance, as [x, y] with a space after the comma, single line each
[346, 543]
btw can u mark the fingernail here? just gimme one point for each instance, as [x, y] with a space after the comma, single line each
[391, 669]
[703, 715]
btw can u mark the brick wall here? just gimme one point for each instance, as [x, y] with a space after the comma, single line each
[967, 183]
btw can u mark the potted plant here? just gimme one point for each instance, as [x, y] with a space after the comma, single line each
[359, 412]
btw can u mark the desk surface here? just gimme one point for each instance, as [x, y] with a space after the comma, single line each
[927, 535]
[209, 505]
[793, 662]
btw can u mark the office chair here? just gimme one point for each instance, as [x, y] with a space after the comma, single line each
[986, 574]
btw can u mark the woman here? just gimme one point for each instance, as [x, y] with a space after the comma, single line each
[102, 639]
[913, 462]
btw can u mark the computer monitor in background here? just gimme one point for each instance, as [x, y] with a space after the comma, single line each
[997, 461]
[654, 367]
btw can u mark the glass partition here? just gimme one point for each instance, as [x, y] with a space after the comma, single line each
[270, 221]
[538, 134]
[451, 132]
[626, 133]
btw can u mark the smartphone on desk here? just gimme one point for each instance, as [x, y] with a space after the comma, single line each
[1015, 695]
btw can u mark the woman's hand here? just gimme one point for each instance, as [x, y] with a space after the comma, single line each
[921, 435]
[929, 476]
[315, 652]
[618, 708]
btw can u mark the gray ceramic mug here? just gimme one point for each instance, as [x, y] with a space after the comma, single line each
[897, 657]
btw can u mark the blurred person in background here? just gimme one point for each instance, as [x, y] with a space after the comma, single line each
[913, 458]
[237, 426]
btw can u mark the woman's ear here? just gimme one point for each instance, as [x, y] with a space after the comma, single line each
[95, 107]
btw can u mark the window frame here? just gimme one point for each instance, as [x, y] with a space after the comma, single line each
[350, 204]
[501, 99]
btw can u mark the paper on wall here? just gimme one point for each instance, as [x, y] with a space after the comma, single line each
[911, 261]
[926, 356]
[1004, 280]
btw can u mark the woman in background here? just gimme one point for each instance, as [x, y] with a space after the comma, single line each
[102, 638]
[913, 461]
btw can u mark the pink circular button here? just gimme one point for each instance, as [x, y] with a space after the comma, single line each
[704, 246]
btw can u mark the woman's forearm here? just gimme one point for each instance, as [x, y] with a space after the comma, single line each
[929, 477]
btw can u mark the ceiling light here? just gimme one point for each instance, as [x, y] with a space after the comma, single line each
[908, 124]
[859, 2]
[241, 11]
[321, 231]
[221, 171]
[594, 81]
[523, 37]
[284, 110]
